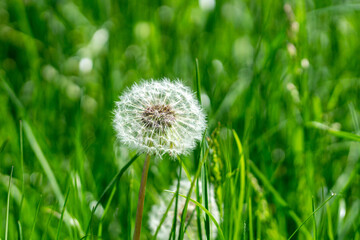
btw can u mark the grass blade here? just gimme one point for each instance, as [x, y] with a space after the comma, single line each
[197, 81]
[242, 183]
[330, 227]
[105, 211]
[3, 145]
[277, 196]
[302, 224]
[8, 205]
[20, 231]
[115, 179]
[48, 222]
[173, 228]
[62, 215]
[36, 214]
[251, 229]
[11, 94]
[205, 196]
[163, 218]
[185, 169]
[22, 167]
[205, 210]
[184, 212]
[43, 162]
[337, 133]
[314, 219]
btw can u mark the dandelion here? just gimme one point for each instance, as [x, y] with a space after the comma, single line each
[158, 117]
[158, 210]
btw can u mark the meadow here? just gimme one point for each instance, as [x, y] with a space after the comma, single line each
[279, 82]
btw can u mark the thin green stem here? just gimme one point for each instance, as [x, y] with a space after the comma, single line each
[333, 195]
[108, 187]
[8, 205]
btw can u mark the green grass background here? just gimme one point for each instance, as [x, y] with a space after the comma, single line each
[285, 76]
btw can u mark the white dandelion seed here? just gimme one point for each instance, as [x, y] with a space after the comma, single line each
[158, 210]
[158, 117]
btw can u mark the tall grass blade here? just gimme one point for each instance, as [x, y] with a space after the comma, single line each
[163, 217]
[277, 196]
[112, 194]
[115, 179]
[62, 214]
[197, 81]
[329, 221]
[35, 218]
[198, 152]
[205, 197]
[22, 166]
[184, 212]
[314, 219]
[173, 228]
[221, 234]
[251, 228]
[240, 202]
[43, 162]
[48, 222]
[8, 205]
[302, 224]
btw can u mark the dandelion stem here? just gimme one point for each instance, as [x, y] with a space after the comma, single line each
[140, 206]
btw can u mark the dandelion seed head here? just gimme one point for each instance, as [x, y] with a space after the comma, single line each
[158, 117]
[158, 210]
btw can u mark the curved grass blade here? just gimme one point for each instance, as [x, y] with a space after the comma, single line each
[62, 214]
[163, 218]
[115, 179]
[329, 198]
[184, 212]
[43, 162]
[36, 214]
[277, 196]
[314, 219]
[173, 229]
[205, 210]
[337, 133]
[8, 205]
[105, 211]
[242, 182]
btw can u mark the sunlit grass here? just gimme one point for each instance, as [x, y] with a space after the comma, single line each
[279, 83]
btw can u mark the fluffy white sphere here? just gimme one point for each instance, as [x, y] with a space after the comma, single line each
[158, 210]
[159, 117]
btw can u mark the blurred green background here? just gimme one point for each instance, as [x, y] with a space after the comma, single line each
[269, 70]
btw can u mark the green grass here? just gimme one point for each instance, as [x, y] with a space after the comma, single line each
[280, 84]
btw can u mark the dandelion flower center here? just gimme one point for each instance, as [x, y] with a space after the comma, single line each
[158, 116]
